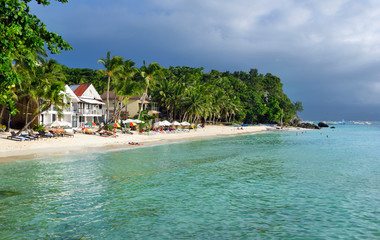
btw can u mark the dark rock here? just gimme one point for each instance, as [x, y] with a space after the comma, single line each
[332, 127]
[308, 126]
[322, 124]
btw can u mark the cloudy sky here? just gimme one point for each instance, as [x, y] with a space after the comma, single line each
[326, 52]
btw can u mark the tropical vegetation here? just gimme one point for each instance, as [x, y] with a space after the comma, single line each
[30, 81]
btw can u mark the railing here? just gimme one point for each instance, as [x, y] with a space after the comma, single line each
[152, 108]
[90, 111]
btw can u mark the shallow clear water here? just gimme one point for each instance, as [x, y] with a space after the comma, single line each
[264, 186]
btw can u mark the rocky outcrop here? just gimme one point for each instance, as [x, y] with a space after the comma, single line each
[303, 125]
[308, 126]
[322, 125]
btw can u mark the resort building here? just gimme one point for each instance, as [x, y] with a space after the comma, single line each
[133, 106]
[84, 104]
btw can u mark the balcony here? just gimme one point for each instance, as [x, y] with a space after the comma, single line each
[68, 110]
[152, 107]
[90, 112]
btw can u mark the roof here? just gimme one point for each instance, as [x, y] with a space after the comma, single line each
[92, 101]
[136, 97]
[80, 89]
[69, 91]
[112, 95]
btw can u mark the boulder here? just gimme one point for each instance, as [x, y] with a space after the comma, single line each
[308, 126]
[322, 124]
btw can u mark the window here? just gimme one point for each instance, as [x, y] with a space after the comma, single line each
[74, 121]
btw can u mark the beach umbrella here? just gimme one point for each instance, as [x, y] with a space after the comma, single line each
[116, 125]
[128, 120]
[185, 123]
[175, 123]
[60, 124]
[166, 123]
[131, 124]
[133, 121]
[90, 124]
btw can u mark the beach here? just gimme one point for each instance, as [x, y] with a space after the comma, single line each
[18, 150]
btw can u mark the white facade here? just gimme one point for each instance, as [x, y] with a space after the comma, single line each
[79, 110]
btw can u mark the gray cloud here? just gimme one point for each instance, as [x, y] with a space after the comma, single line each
[325, 52]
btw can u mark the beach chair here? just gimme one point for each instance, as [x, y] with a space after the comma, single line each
[45, 134]
[15, 137]
[31, 133]
[26, 135]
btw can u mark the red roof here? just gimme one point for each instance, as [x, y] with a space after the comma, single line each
[81, 89]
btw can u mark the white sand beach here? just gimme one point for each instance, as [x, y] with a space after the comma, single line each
[17, 150]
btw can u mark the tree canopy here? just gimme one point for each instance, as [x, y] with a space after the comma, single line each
[182, 93]
[22, 34]
[186, 93]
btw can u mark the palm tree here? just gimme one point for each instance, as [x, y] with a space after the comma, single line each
[125, 86]
[47, 89]
[149, 74]
[112, 66]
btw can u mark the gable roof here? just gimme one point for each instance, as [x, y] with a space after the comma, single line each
[80, 89]
[69, 92]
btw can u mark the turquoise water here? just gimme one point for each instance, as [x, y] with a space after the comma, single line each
[265, 186]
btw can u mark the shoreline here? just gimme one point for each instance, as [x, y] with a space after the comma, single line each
[11, 151]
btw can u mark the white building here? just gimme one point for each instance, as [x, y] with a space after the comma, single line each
[84, 105]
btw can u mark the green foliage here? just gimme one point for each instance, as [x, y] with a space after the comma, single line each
[38, 127]
[22, 34]
[298, 105]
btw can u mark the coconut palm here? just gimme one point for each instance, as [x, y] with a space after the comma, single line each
[112, 65]
[149, 74]
[125, 86]
[47, 90]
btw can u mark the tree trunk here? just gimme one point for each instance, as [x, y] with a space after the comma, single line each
[184, 116]
[2, 113]
[143, 100]
[9, 122]
[126, 110]
[115, 106]
[108, 97]
[34, 118]
[27, 111]
[172, 112]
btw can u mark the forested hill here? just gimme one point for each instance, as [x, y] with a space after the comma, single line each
[248, 97]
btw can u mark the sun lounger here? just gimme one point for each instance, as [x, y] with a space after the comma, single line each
[15, 137]
[31, 133]
[45, 134]
[25, 135]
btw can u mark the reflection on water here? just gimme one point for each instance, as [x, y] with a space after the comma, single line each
[275, 185]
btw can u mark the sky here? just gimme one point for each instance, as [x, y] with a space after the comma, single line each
[326, 52]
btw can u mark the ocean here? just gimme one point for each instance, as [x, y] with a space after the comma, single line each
[314, 184]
